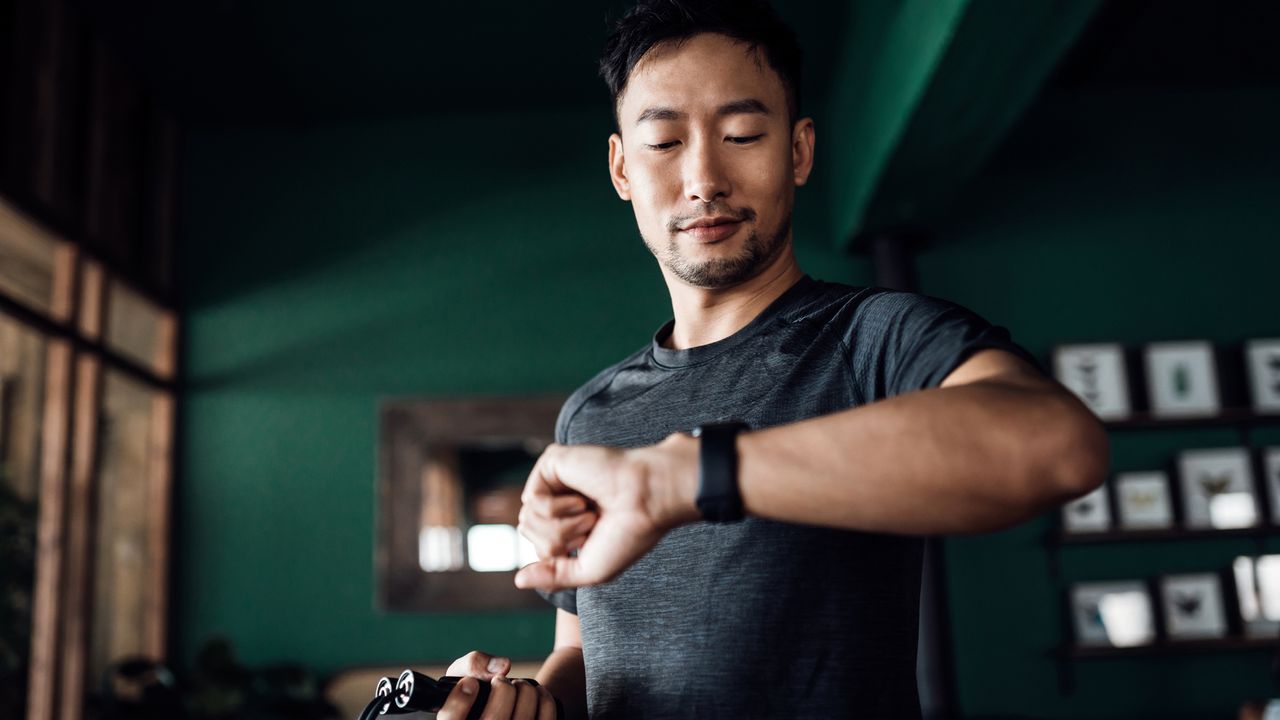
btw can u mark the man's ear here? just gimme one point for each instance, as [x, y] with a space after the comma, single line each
[618, 167]
[802, 150]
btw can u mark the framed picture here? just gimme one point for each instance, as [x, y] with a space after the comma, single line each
[1112, 614]
[1217, 488]
[1142, 500]
[1097, 374]
[1182, 379]
[1257, 581]
[1193, 606]
[1262, 357]
[1271, 476]
[1088, 513]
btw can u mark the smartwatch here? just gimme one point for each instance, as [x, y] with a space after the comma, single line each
[719, 499]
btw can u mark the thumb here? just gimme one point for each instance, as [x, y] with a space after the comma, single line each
[479, 665]
[553, 573]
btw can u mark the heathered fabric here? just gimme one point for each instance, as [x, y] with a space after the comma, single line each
[762, 618]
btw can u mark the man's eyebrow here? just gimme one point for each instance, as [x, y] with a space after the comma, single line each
[660, 113]
[737, 107]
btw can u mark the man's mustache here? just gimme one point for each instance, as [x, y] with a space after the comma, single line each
[712, 210]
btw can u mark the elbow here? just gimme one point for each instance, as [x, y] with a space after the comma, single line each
[1083, 457]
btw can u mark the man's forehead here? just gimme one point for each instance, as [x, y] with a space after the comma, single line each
[704, 71]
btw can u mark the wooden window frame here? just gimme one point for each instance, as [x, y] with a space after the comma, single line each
[76, 358]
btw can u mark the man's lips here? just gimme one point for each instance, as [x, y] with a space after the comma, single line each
[711, 230]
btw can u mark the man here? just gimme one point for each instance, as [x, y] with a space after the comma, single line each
[872, 417]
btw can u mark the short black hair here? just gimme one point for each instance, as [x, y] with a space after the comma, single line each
[650, 22]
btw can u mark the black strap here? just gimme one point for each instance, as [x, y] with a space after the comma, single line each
[719, 498]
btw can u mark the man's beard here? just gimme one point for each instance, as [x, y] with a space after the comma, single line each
[757, 254]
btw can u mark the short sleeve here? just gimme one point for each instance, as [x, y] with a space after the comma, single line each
[566, 600]
[900, 342]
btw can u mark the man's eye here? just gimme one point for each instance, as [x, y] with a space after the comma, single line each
[662, 146]
[744, 140]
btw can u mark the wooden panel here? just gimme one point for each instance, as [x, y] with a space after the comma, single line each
[28, 260]
[418, 437]
[92, 288]
[76, 589]
[122, 539]
[160, 467]
[84, 453]
[51, 532]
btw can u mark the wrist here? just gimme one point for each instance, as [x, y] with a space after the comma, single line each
[673, 481]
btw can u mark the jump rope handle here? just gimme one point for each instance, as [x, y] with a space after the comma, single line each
[417, 692]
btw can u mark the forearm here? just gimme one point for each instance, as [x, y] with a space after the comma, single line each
[969, 458]
[564, 674]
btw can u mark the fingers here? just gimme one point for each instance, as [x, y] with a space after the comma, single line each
[546, 704]
[460, 699]
[479, 665]
[526, 706]
[502, 699]
[550, 505]
[555, 536]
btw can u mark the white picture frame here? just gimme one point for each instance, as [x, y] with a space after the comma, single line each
[1271, 478]
[1098, 375]
[1143, 500]
[1218, 491]
[1262, 360]
[1112, 614]
[1182, 379]
[1193, 606]
[1257, 580]
[1088, 513]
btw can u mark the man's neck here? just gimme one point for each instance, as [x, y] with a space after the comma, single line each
[704, 316]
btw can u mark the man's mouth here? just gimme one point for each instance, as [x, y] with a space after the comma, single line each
[711, 229]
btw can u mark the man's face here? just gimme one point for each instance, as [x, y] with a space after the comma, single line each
[709, 159]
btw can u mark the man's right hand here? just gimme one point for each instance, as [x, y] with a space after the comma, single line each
[508, 699]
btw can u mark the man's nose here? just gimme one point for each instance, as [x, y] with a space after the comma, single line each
[705, 178]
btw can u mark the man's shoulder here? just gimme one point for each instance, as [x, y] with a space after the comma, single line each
[826, 300]
[599, 382]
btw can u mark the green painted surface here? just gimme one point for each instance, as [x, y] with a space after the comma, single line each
[1128, 216]
[891, 51]
[327, 268]
[992, 69]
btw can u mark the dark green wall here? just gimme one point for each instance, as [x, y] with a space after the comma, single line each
[327, 268]
[1123, 216]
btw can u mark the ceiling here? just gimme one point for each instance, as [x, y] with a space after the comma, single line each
[322, 60]
[1175, 43]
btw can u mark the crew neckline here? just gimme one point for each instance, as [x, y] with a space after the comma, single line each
[672, 358]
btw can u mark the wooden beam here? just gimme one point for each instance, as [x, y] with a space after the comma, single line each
[46, 612]
[78, 586]
[160, 491]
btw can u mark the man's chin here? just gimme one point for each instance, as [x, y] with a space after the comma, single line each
[715, 274]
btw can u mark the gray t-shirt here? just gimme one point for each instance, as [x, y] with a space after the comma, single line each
[762, 618]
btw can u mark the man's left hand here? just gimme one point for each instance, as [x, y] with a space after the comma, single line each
[630, 498]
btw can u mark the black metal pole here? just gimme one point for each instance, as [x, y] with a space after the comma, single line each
[893, 257]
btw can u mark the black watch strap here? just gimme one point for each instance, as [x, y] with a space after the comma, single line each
[719, 498]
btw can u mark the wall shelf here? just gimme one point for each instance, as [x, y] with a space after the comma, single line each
[1088, 538]
[1242, 421]
[1228, 417]
[1179, 647]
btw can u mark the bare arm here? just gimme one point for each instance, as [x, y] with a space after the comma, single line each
[564, 673]
[994, 445]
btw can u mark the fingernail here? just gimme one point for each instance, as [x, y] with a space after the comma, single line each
[520, 577]
[495, 664]
[468, 686]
